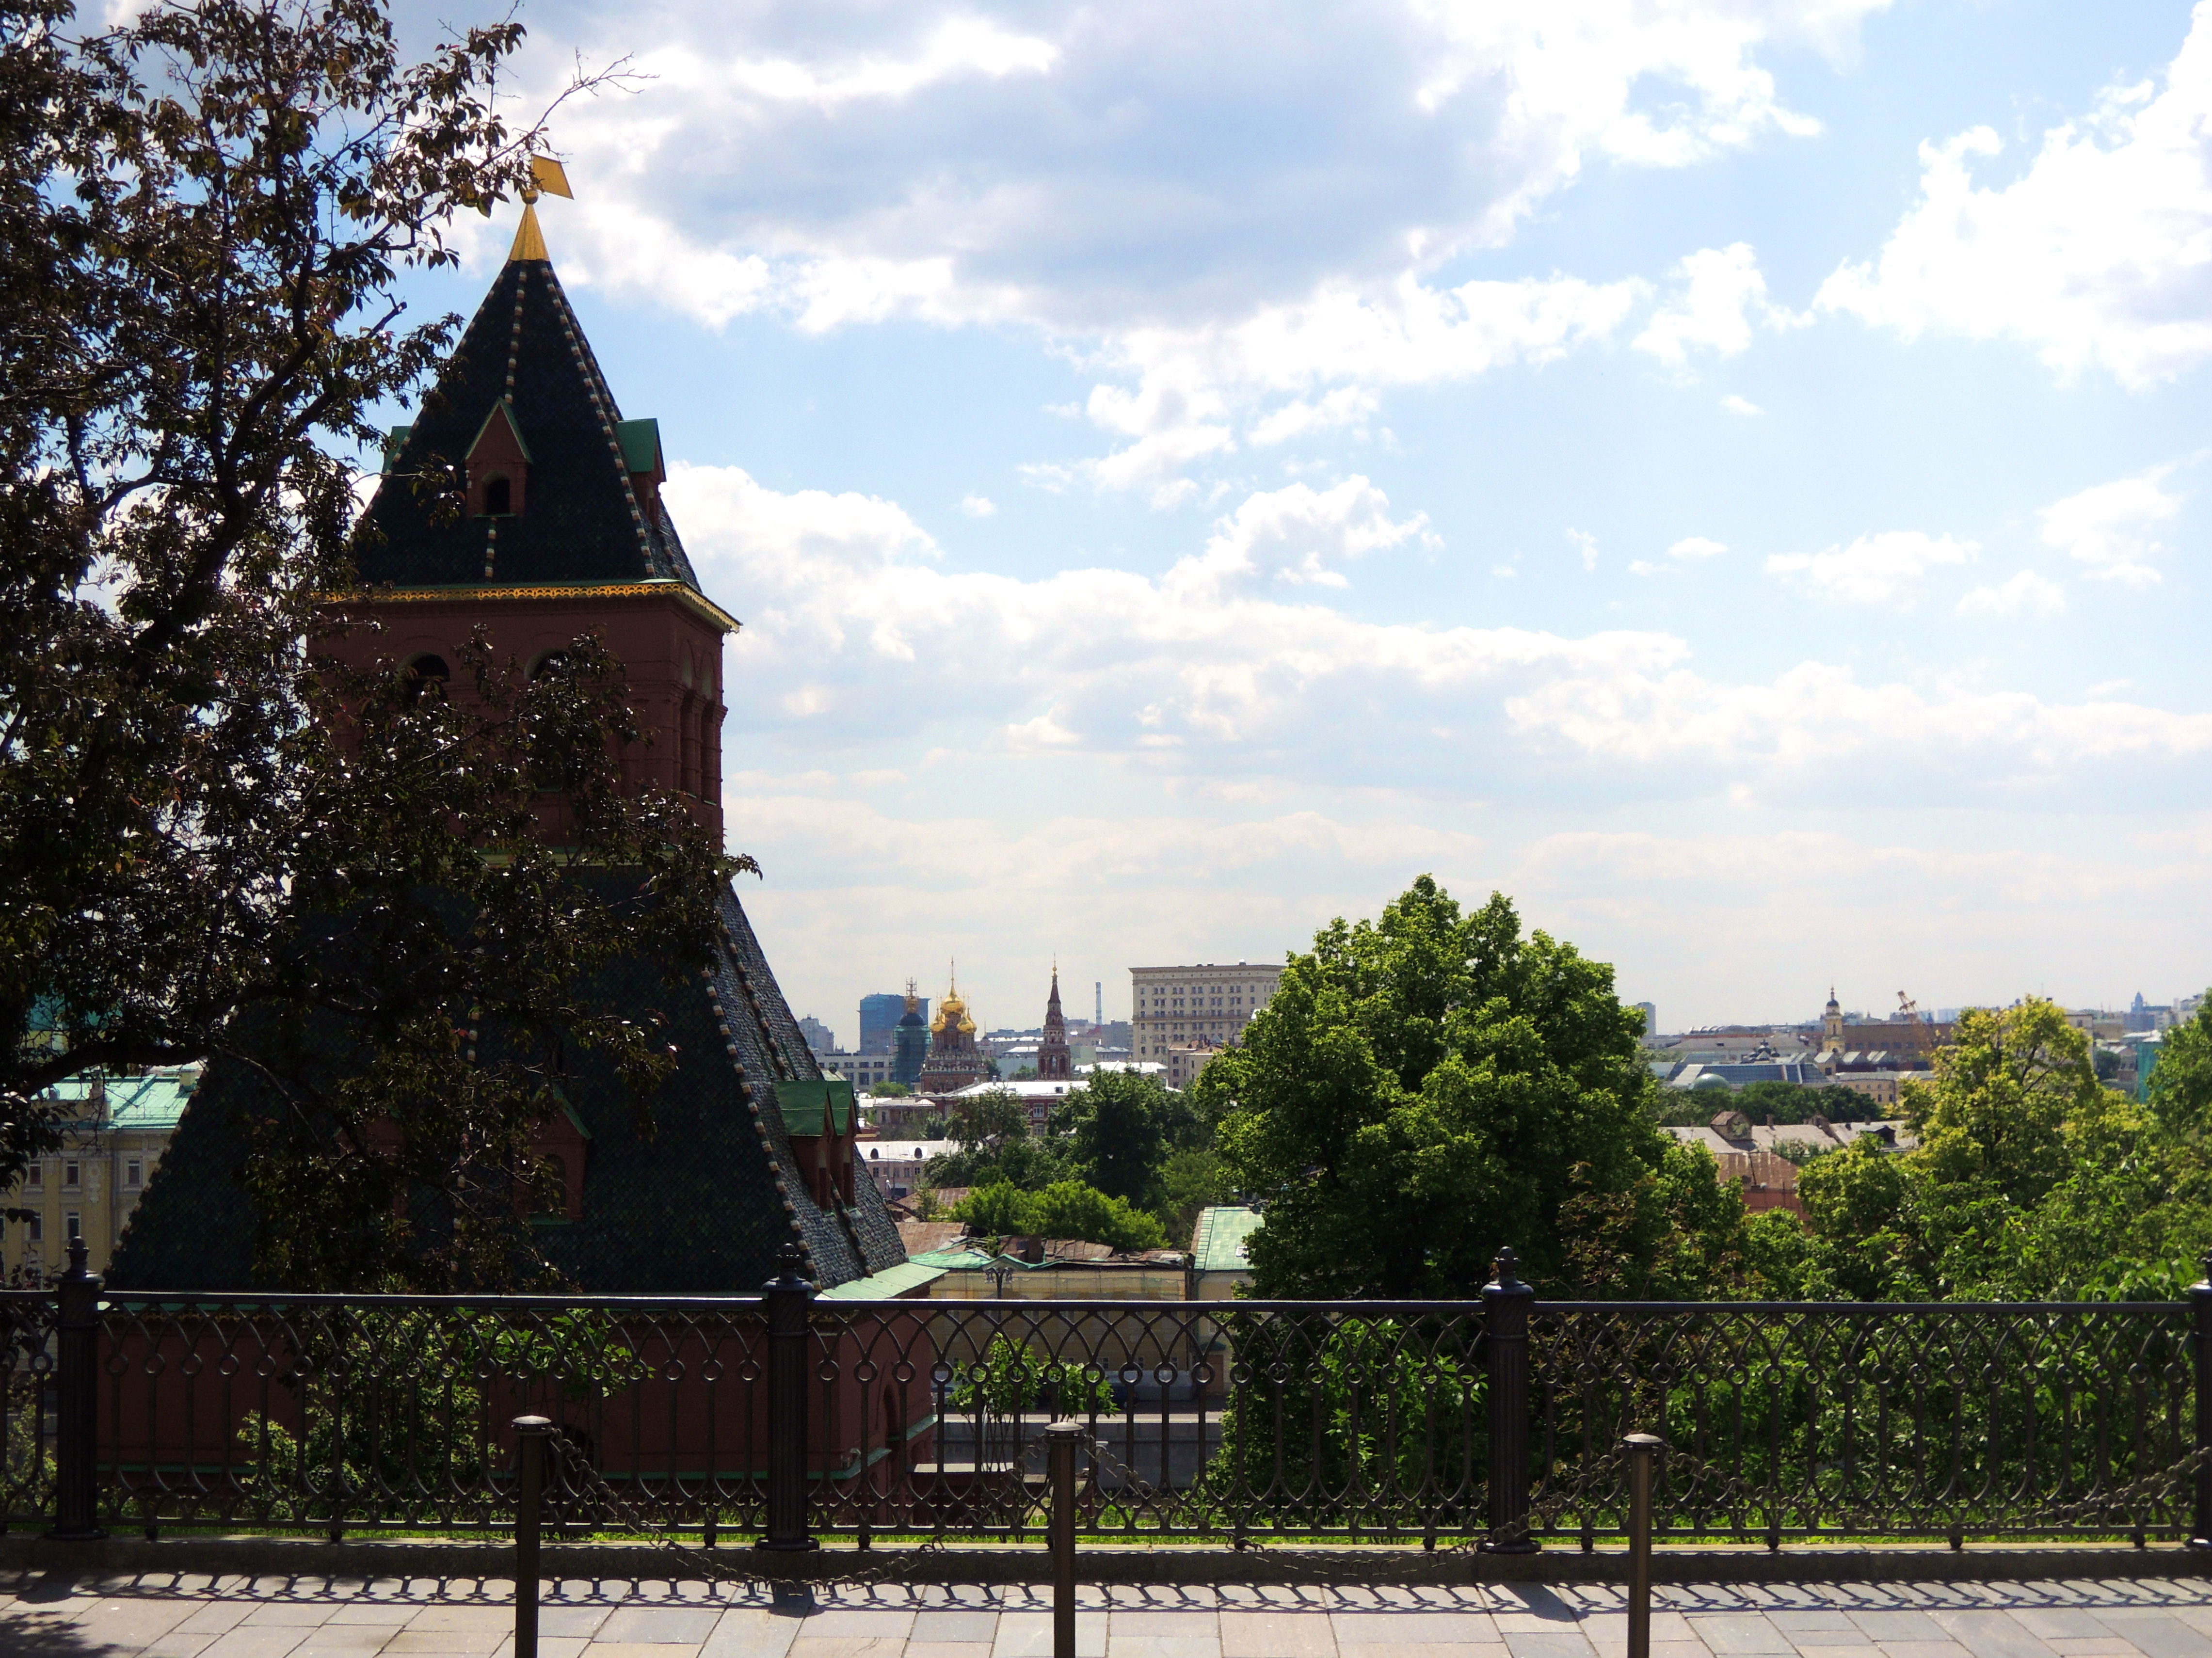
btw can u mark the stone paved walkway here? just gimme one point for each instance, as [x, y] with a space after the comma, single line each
[198, 1617]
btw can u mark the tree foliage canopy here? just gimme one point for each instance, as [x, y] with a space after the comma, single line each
[211, 842]
[2032, 1180]
[1428, 1086]
[1064, 1209]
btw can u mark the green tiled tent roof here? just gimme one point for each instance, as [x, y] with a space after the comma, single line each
[693, 1209]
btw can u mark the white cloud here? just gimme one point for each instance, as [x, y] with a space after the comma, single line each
[2024, 594]
[841, 165]
[1688, 549]
[1162, 147]
[1876, 569]
[1347, 405]
[2099, 253]
[2108, 526]
[1736, 405]
[1816, 712]
[978, 506]
[1722, 295]
[960, 46]
[1297, 536]
[1194, 385]
[1586, 544]
[1237, 660]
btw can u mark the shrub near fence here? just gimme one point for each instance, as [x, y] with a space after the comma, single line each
[778, 1417]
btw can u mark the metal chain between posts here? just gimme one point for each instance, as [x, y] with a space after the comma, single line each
[1587, 1477]
[1730, 1490]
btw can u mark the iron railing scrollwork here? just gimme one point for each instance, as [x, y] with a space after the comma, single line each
[786, 1417]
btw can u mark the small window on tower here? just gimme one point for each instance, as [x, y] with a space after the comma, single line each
[498, 498]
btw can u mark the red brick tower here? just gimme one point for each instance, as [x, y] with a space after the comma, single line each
[562, 532]
[1054, 1064]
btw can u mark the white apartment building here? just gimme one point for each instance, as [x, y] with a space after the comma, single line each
[863, 1070]
[1172, 1007]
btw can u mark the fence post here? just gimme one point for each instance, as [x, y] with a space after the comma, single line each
[1506, 1303]
[533, 1436]
[77, 1402]
[788, 1296]
[1643, 1452]
[2200, 1309]
[1060, 1441]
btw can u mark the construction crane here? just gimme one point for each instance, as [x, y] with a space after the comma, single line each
[1907, 1009]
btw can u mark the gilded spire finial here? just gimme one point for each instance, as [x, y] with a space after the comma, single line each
[546, 178]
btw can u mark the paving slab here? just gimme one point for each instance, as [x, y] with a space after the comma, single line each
[206, 1615]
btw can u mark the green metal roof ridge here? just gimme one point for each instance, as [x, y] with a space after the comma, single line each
[1221, 1236]
[891, 1282]
[640, 441]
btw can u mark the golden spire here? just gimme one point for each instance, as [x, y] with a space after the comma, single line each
[546, 176]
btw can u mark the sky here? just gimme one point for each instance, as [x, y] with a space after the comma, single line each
[1731, 475]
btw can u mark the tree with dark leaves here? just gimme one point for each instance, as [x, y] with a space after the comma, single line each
[212, 843]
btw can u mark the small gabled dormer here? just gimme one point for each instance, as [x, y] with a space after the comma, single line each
[499, 465]
[641, 447]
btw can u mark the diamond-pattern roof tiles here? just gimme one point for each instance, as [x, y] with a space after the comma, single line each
[583, 521]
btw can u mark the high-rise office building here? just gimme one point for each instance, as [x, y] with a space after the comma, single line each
[879, 1017]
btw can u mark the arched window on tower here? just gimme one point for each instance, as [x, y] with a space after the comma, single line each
[427, 675]
[498, 497]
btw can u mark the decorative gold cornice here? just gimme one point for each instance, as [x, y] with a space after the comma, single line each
[691, 597]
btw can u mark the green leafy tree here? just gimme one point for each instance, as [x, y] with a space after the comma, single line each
[1193, 1179]
[1423, 1088]
[999, 1210]
[1677, 1232]
[1012, 1380]
[2032, 1181]
[211, 844]
[2179, 1092]
[2005, 1089]
[1120, 1126]
[1069, 1209]
[1066, 1209]
[992, 1142]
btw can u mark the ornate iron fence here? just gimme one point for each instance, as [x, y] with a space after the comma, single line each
[781, 1417]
